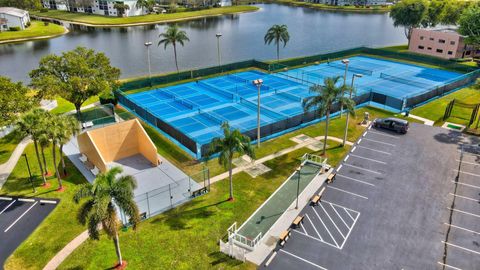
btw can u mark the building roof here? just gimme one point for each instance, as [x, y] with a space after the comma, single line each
[13, 11]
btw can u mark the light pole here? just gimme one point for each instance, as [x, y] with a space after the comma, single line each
[258, 83]
[348, 115]
[345, 62]
[218, 35]
[148, 44]
[29, 173]
[299, 170]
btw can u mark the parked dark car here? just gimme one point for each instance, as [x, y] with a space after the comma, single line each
[395, 124]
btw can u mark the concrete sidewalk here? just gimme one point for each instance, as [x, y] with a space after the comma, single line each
[7, 167]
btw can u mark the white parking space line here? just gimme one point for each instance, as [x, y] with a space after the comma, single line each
[359, 141]
[6, 198]
[25, 200]
[48, 202]
[346, 158]
[348, 213]
[351, 193]
[468, 185]
[468, 173]
[303, 229]
[339, 168]
[314, 238]
[326, 228]
[375, 150]
[464, 212]
[348, 234]
[354, 148]
[464, 197]
[360, 168]
[370, 159]
[449, 266]
[24, 213]
[365, 134]
[302, 259]
[380, 133]
[461, 228]
[341, 206]
[319, 236]
[389, 144]
[338, 214]
[466, 162]
[270, 259]
[4, 209]
[460, 247]
[334, 224]
[356, 180]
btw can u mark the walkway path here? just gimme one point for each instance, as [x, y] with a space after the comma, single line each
[55, 262]
[426, 121]
[7, 167]
[274, 155]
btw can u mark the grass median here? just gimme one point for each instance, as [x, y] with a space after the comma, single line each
[36, 30]
[8, 144]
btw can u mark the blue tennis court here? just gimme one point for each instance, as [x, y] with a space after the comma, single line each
[191, 113]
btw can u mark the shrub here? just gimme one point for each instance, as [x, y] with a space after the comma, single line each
[29, 24]
[46, 23]
[15, 28]
[107, 98]
[44, 10]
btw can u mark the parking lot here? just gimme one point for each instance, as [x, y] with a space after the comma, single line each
[18, 218]
[397, 202]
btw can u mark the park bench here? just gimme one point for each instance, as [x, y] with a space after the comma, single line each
[87, 124]
[284, 237]
[318, 197]
[83, 158]
[95, 171]
[199, 192]
[331, 177]
[297, 221]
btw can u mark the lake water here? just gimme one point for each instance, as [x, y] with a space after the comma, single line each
[311, 32]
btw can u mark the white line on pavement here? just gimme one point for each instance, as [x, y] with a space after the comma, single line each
[463, 212]
[375, 150]
[348, 213]
[24, 213]
[389, 144]
[339, 168]
[48, 202]
[348, 234]
[314, 238]
[25, 200]
[380, 133]
[338, 214]
[302, 227]
[326, 228]
[271, 258]
[469, 173]
[371, 159]
[351, 193]
[354, 148]
[364, 134]
[360, 168]
[461, 228]
[356, 180]
[334, 224]
[460, 247]
[468, 185]
[6, 198]
[359, 141]
[4, 209]
[468, 154]
[449, 266]
[346, 158]
[341, 206]
[302, 259]
[466, 162]
[464, 197]
[319, 236]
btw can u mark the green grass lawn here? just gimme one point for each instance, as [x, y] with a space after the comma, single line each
[435, 110]
[59, 228]
[152, 18]
[351, 8]
[37, 29]
[64, 106]
[8, 144]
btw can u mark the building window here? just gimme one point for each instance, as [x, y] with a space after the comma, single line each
[421, 37]
[421, 47]
[103, 5]
[467, 53]
[429, 48]
[439, 51]
[432, 38]
[452, 42]
[441, 41]
[450, 52]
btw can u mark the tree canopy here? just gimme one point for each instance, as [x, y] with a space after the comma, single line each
[23, 4]
[409, 14]
[469, 25]
[74, 75]
[14, 100]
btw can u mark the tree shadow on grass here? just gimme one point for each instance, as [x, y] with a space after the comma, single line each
[221, 258]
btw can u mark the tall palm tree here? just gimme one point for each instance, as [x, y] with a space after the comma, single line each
[144, 4]
[173, 35]
[70, 128]
[326, 96]
[30, 124]
[109, 189]
[233, 143]
[44, 142]
[277, 33]
[54, 129]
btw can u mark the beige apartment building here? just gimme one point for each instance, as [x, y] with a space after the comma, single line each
[444, 43]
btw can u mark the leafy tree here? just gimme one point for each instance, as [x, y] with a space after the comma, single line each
[435, 12]
[108, 189]
[326, 96]
[172, 36]
[277, 33]
[22, 4]
[75, 76]
[409, 14]
[233, 143]
[469, 25]
[121, 8]
[145, 4]
[14, 100]
[452, 11]
[31, 124]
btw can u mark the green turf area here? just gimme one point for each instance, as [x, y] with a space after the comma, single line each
[64, 106]
[7, 145]
[60, 227]
[152, 18]
[351, 8]
[37, 29]
[435, 109]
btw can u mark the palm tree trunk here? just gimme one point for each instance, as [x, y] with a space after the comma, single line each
[278, 52]
[175, 54]
[42, 149]
[116, 242]
[327, 120]
[62, 159]
[231, 179]
[39, 162]
[55, 167]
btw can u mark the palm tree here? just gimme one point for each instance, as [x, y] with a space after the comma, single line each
[121, 8]
[44, 142]
[233, 143]
[55, 127]
[70, 128]
[277, 33]
[144, 4]
[108, 190]
[326, 96]
[173, 35]
[30, 124]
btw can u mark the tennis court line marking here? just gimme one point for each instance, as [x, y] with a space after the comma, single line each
[334, 224]
[464, 197]
[354, 148]
[461, 228]
[314, 238]
[4, 209]
[346, 158]
[304, 260]
[468, 185]
[326, 228]
[466, 162]
[371, 159]
[360, 168]
[386, 135]
[463, 212]
[24, 213]
[460, 247]
[375, 150]
[469, 173]
[319, 236]
[449, 266]
[353, 179]
[339, 168]
[351, 193]
[389, 144]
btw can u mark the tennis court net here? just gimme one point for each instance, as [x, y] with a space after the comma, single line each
[364, 71]
[289, 96]
[403, 80]
[253, 106]
[237, 78]
[216, 90]
[212, 116]
[178, 100]
[294, 78]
